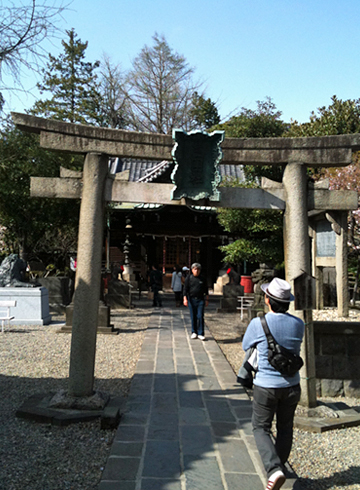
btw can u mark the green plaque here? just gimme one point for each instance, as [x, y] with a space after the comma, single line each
[196, 155]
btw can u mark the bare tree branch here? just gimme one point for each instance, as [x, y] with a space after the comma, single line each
[113, 94]
[160, 89]
[23, 29]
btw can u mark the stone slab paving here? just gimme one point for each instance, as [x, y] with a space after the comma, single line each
[187, 424]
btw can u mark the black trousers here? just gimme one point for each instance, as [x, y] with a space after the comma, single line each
[266, 403]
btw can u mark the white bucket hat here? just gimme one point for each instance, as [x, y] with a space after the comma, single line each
[279, 290]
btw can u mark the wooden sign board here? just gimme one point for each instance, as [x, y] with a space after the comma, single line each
[325, 239]
[197, 156]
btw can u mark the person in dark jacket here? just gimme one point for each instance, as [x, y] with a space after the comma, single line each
[156, 285]
[196, 297]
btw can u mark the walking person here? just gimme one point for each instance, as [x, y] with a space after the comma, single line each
[196, 297]
[156, 285]
[177, 284]
[274, 393]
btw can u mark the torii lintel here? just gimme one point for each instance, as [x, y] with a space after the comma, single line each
[324, 151]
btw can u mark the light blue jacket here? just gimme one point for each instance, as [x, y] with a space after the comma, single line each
[176, 284]
[288, 331]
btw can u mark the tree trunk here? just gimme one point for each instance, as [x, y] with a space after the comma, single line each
[356, 284]
[22, 247]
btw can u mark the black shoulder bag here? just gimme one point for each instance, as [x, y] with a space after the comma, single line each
[280, 358]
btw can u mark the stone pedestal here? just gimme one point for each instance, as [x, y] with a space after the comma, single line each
[104, 325]
[59, 292]
[118, 295]
[229, 301]
[32, 305]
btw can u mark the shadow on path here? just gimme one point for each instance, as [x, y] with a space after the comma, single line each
[187, 423]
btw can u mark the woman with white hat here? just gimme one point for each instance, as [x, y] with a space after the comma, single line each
[275, 393]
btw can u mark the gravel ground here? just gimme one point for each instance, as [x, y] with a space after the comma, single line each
[43, 457]
[36, 360]
[322, 461]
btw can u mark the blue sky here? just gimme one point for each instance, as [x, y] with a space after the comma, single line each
[300, 53]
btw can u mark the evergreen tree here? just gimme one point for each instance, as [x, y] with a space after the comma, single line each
[264, 122]
[73, 85]
[258, 231]
[204, 112]
[35, 225]
[340, 117]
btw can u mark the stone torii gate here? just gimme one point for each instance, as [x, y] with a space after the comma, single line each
[97, 187]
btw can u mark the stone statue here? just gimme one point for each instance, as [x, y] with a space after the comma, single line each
[12, 273]
[261, 276]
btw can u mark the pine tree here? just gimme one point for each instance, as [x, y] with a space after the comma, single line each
[73, 85]
[204, 112]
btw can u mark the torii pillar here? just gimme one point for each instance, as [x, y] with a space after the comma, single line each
[88, 271]
[297, 261]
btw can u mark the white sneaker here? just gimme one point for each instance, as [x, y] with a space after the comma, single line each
[194, 335]
[201, 337]
[276, 481]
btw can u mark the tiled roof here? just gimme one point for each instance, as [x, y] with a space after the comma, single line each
[149, 170]
[232, 171]
[156, 171]
[137, 168]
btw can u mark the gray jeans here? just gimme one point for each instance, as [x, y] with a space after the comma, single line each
[266, 403]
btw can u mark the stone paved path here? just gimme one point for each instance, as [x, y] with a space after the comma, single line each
[187, 424]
